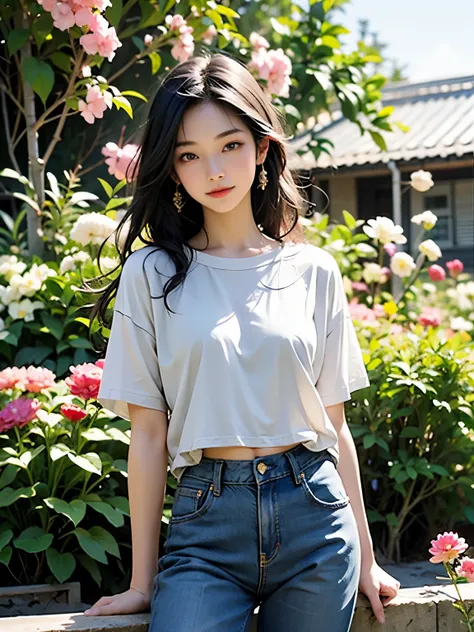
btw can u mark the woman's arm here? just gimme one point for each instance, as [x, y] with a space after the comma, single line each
[147, 473]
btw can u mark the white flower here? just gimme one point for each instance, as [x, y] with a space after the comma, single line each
[402, 264]
[10, 294]
[427, 218]
[384, 230]
[304, 221]
[25, 285]
[430, 249]
[108, 263]
[2, 324]
[336, 245]
[92, 228]
[429, 288]
[67, 265]
[81, 256]
[467, 289]
[123, 233]
[421, 180]
[461, 324]
[9, 265]
[372, 272]
[24, 309]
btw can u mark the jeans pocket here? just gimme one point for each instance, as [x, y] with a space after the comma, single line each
[193, 497]
[323, 485]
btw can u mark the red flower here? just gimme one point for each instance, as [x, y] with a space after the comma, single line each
[73, 413]
[455, 267]
[436, 273]
[100, 363]
[85, 380]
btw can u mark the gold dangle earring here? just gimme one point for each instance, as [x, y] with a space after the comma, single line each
[262, 178]
[178, 199]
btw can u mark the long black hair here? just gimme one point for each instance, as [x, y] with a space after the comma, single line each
[152, 216]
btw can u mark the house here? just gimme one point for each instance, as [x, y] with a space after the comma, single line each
[363, 179]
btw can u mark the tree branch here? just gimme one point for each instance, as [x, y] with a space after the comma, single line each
[6, 122]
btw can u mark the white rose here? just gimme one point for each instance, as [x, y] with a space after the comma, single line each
[384, 230]
[402, 264]
[430, 249]
[372, 273]
[421, 180]
[67, 264]
[24, 309]
[461, 324]
[92, 228]
[427, 218]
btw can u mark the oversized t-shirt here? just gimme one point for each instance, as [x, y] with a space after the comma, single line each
[254, 350]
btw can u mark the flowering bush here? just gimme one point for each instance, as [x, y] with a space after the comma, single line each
[446, 549]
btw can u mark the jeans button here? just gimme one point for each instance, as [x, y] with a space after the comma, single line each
[262, 468]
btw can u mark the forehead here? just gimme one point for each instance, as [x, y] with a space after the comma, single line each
[203, 121]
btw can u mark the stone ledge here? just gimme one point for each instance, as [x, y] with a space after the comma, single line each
[413, 609]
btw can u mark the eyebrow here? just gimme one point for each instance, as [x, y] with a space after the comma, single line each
[221, 135]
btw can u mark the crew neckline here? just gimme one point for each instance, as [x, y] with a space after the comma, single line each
[243, 263]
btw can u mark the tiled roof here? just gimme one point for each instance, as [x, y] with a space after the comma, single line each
[440, 115]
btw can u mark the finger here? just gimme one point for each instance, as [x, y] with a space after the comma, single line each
[114, 608]
[377, 607]
[96, 609]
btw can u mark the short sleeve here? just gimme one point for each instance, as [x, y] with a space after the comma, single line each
[131, 372]
[343, 370]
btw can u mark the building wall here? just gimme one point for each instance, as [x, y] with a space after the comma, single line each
[343, 195]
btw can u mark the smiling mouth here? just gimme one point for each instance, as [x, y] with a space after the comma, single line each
[220, 192]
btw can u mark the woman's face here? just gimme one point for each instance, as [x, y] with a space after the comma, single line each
[214, 149]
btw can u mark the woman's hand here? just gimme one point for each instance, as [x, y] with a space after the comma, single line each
[374, 581]
[128, 602]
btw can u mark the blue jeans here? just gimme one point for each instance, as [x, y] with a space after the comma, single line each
[276, 531]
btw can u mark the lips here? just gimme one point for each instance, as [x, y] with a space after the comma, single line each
[221, 192]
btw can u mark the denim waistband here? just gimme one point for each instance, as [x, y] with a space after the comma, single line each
[258, 470]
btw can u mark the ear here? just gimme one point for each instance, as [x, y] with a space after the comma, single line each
[263, 149]
[174, 177]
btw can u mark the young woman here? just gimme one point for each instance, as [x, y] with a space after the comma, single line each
[232, 353]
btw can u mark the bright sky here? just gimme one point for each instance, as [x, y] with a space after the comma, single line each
[434, 38]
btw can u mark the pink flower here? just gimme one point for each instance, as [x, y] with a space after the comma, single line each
[104, 42]
[48, 5]
[13, 377]
[120, 159]
[466, 569]
[436, 273]
[63, 16]
[84, 17]
[97, 101]
[455, 267]
[360, 286]
[148, 39]
[446, 547]
[359, 311]
[85, 380]
[183, 48]
[100, 363]
[209, 35]
[390, 249]
[18, 413]
[430, 316]
[396, 329]
[379, 311]
[175, 22]
[39, 379]
[73, 413]
[275, 67]
[258, 41]
[385, 274]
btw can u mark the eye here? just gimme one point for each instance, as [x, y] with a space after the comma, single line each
[233, 143]
[182, 157]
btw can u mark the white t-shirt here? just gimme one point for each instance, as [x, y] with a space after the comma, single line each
[254, 351]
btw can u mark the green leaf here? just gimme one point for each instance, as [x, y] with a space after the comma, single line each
[292, 111]
[114, 202]
[5, 538]
[90, 545]
[114, 516]
[8, 496]
[124, 104]
[351, 222]
[62, 565]
[138, 43]
[16, 39]
[121, 503]
[75, 510]
[8, 475]
[369, 441]
[133, 93]
[121, 466]
[155, 60]
[58, 451]
[89, 462]
[27, 456]
[412, 473]
[410, 431]
[378, 140]
[118, 187]
[34, 205]
[33, 540]
[42, 27]
[106, 539]
[61, 61]
[439, 469]
[114, 13]
[55, 326]
[5, 555]
[39, 75]
[107, 187]
[91, 566]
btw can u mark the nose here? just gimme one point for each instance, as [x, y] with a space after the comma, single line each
[216, 171]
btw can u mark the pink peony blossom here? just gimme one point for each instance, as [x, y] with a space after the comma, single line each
[446, 547]
[104, 42]
[39, 379]
[430, 317]
[72, 412]
[18, 413]
[13, 377]
[97, 101]
[275, 67]
[85, 380]
[455, 267]
[466, 569]
[183, 48]
[48, 5]
[63, 16]
[258, 41]
[436, 273]
[209, 35]
[390, 249]
[359, 311]
[120, 159]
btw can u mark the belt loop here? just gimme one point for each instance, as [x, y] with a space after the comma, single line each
[217, 477]
[295, 467]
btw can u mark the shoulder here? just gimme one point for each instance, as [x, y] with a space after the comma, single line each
[144, 264]
[321, 259]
